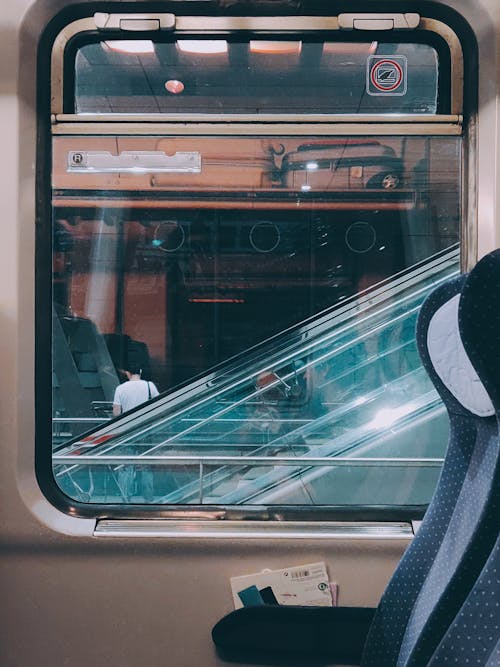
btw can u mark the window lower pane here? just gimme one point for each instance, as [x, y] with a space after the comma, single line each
[268, 288]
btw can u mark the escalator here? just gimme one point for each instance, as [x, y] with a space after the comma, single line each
[318, 414]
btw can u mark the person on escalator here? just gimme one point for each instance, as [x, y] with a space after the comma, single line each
[278, 401]
[129, 395]
[133, 392]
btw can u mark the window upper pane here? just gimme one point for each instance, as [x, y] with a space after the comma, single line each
[257, 76]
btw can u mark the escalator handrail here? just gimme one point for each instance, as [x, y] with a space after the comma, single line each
[213, 383]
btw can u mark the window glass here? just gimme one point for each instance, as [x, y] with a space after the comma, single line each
[268, 288]
[256, 76]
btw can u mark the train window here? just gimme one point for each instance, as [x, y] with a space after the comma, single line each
[256, 76]
[263, 276]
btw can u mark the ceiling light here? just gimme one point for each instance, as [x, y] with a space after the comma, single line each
[131, 46]
[275, 48]
[202, 46]
[351, 48]
[174, 86]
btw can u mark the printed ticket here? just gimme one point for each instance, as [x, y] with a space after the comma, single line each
[299, 585]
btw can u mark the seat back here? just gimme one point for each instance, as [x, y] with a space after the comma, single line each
[475, 630]
[437, 572]
[474, 634]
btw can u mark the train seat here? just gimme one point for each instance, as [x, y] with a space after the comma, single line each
[436, 578]
[481, 610]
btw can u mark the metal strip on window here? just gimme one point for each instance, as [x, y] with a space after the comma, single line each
[258, 25]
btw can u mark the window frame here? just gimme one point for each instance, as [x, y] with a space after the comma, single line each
[437, 33]
[62, 122]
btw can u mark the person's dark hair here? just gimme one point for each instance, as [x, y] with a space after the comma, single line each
[135, 370]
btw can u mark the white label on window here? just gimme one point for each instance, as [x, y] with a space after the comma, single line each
[133, 161]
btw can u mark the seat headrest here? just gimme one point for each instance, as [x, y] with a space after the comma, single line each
[443, 354]
[479, 322]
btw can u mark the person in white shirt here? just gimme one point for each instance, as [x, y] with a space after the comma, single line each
[129, 395]
[133, 392]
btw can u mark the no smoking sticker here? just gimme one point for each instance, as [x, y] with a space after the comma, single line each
[386, 75]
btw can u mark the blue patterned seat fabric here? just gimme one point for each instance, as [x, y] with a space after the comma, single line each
[474, 636]
[434, 575]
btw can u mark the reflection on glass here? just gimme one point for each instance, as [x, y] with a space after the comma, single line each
[278, 325]
[203, 46]
[131, 46]
[255, 76]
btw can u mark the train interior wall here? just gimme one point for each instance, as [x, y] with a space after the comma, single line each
[69, 597]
